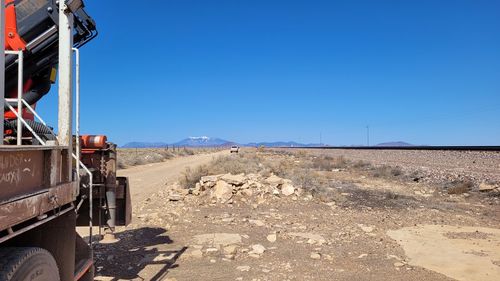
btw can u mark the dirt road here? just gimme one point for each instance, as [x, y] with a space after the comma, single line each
[146, 179]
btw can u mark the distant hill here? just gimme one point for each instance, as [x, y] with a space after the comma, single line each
[395, 144]
[137, 144]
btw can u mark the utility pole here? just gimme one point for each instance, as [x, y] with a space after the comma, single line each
[367, 135]
[320, 139]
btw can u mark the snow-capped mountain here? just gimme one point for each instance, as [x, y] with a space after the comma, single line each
[202, 141]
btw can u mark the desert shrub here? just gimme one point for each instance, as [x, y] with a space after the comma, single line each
[167, 154]
[360, 164]
[385, 171]
[328, 194]
[390, 195]
[280, 168]
[136, 161]
[328, 163]
[415, 176]
[235, 164]
[300, 153]
[190, 176]
[306, 179]
[120, 164]
[186, 151]
[459, 186]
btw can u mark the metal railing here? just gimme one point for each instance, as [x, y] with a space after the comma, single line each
[21, 122]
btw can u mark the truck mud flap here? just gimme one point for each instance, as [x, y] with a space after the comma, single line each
[123, 202]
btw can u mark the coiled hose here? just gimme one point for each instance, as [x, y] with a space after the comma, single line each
[38, 127]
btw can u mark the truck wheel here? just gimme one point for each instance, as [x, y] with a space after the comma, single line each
[27, 264]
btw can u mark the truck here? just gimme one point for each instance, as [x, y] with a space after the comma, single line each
[52, 182]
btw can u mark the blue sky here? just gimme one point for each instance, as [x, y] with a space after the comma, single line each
[425, 72]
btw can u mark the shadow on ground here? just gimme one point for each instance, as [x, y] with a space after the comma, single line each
[135, 250]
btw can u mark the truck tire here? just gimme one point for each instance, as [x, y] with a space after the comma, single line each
[27, 264]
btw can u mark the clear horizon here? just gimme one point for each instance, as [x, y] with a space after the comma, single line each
[423, 72]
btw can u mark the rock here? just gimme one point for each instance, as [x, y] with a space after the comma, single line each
[182, 191]
[209, 179]
[399, 264]
[312, 237]
[234, 179]
[223, 191]
[486, 186]
[246, 192]
[230, 250]
[271, 237]
[243, 268]
[196, 253]
[174, 196]
[362, 256]
[287, 189]
[257, 222]
[328, 257]
[365, 228]
[196, 190]
[315, 256]
[274, 181]
[258, 249]
[299, 191]
[215, 239]
[157, 258]
[211, 250]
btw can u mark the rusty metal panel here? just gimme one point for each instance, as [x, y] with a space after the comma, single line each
[24, 209]
[21, 173]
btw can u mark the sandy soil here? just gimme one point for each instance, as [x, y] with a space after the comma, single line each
[377, 229]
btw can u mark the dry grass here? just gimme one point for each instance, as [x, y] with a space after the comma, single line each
[386, 171]
[459, 187]
[328, 163]
[190, 176]
[129, 157]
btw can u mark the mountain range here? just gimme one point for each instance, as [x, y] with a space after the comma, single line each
[187, 142]
[205, 141]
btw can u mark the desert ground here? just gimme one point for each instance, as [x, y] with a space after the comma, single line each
[271, 214]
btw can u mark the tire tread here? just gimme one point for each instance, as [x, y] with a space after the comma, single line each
[13, 257]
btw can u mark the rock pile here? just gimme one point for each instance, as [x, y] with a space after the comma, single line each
[225, 188]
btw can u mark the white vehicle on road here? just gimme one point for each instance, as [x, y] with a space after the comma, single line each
[235, 149]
